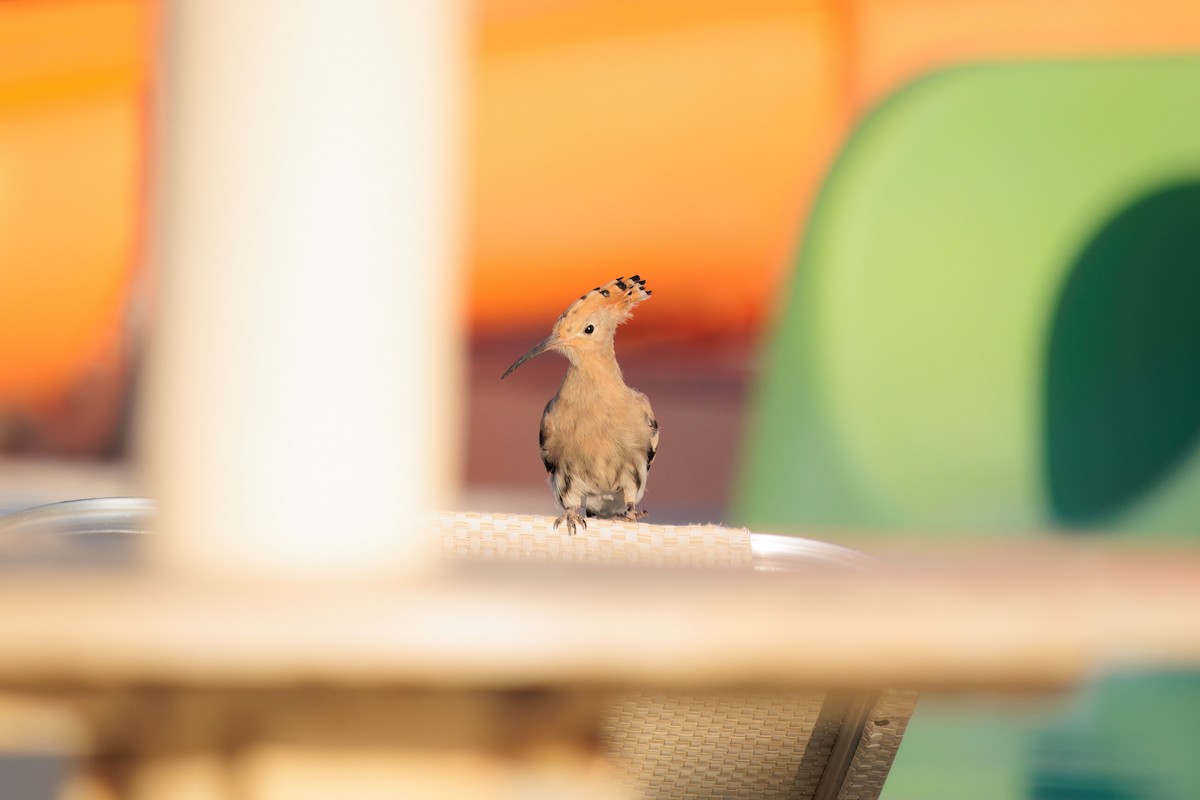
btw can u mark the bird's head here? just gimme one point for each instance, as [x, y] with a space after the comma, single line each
[589, 324]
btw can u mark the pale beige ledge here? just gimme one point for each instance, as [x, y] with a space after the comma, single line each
[1037, 618]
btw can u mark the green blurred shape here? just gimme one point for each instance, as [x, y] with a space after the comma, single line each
[967, 748]
[1131, 736]
[994, 326]
[936, 367]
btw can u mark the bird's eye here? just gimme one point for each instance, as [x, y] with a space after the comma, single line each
[589, 329]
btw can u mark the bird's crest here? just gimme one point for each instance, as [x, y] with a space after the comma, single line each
[617, 297]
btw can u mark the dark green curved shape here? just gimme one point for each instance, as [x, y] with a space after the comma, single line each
[1122, 385]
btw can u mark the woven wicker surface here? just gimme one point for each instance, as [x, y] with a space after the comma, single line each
[524, 537]
[752, 745]
[877, 747]
[675, 746]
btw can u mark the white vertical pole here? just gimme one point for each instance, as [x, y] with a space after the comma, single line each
[301, 386]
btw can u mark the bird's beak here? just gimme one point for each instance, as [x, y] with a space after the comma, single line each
[536, 350]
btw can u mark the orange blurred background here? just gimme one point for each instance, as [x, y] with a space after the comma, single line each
[683, 140]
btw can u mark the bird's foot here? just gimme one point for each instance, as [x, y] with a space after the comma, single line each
[632, 514]
[572, 518]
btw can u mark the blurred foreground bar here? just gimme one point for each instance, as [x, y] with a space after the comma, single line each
[1024, 619]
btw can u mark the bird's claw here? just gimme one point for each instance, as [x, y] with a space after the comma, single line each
[633, 515]
[572, 518]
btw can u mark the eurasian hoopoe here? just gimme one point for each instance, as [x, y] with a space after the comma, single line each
[598, 436]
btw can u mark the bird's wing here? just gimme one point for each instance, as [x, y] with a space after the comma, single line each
[545, 434]
[643, 404]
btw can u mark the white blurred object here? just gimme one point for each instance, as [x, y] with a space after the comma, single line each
[302, 383]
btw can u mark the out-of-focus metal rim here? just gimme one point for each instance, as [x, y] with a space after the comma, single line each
[774, 553]
[135, 515]
[100, 515]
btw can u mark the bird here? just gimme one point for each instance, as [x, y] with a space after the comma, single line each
[598, 436]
